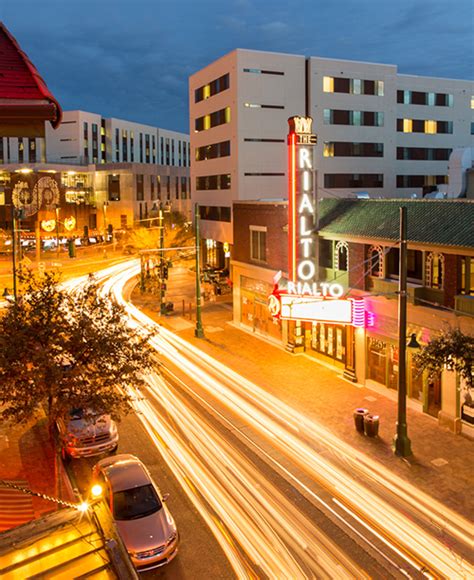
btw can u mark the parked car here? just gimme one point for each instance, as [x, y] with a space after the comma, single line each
[139, 510]
[84, 433]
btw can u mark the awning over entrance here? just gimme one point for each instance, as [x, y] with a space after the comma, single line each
[25, 100]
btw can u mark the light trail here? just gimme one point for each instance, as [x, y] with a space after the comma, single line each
[291, 431]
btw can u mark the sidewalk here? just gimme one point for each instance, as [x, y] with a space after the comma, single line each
[442, 464]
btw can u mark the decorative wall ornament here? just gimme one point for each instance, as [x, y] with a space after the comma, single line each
[70, 223]
[376, 258]
[341, 248]
[26, 199]
[48, 225]
[48, 192]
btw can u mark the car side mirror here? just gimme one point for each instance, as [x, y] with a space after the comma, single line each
[165, 496]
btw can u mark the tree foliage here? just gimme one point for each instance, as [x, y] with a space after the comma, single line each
[177, 233]
[453, 350]
[60, 350]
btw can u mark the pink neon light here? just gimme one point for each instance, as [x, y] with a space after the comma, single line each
[358, 313]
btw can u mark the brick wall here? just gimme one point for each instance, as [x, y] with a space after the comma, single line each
[357, 268]
[272, 216]
[452, 272]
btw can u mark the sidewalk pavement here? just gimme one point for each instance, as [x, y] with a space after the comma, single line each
[27, 460]
[442, 464]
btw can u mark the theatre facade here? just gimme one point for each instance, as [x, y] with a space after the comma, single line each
[321, 278]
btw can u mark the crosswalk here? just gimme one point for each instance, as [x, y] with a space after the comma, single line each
[16, 507]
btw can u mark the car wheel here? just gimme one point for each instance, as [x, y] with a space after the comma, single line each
[114, 450]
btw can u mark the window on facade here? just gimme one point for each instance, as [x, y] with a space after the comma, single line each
[435, 270]
[421, 180]
[355, 118]
[375, 258]
[140, 188]
[263, 72]
[341, 256]
[467, 276]
[213, 151]
[258, 243]
[348, 149]
[424, 126]
[352, 86]
[214, 213]
[184, 182]
[349, 180]
[206, 182]
[420, 98]
[213, 88]
[113, 187]
[326, 253]
[215, 119]
[423, 153]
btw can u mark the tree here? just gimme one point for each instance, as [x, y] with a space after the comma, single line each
[60, 351]
[453, 350]
[177, 233]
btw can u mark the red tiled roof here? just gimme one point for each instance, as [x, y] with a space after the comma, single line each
[24, 96]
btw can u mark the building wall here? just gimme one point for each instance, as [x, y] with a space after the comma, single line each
[248, 91]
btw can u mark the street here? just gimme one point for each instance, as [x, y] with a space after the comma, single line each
[280, 494]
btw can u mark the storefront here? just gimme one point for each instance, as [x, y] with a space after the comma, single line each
[254, 313]
[326, 342]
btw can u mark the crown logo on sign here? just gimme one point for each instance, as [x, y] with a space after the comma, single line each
[301, 124]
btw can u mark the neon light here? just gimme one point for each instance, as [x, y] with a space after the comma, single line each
[358, 313]
[292, 207]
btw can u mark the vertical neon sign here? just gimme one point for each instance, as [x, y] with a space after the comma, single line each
[301, 202]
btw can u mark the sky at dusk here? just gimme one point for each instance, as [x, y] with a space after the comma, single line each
[131, 59]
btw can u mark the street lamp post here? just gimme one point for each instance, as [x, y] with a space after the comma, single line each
[162, 260]
[14, 244]
[57, 232]
[402, 444]
[198, 331]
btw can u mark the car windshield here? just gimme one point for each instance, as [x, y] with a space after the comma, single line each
[79, 414]
[135, 503]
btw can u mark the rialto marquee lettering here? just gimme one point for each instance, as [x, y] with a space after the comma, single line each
[304, 297]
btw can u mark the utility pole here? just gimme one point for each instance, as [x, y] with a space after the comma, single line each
[57, 232]
[402, 444]
[198, 331]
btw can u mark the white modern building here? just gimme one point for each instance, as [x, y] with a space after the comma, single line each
[379, 132]
[126, 169]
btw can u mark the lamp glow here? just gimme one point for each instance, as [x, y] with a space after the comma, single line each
[96, 490]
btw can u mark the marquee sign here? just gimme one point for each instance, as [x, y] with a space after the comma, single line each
[304, 298]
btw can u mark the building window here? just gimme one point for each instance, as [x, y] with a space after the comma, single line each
[147, 148]
[348, 149]
[213, 88]
[429, 127]
[355, 118]
[405, 97]
[375, 256]
[124, 145]
[215, 213]
[214, 119]
[213, 151]
[257, 106]
[184, 182]
[258, 71]
[423, 153]
[140, 188]
[113, 187]
[258, 243]
[421, 180]
[434, 273]
[32, 150]
[206, 182]
[352, 180]
[353, 86]
[341, 256]
[326, 253]
[467, 276]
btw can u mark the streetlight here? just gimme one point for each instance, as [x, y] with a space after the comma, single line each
[57, 232]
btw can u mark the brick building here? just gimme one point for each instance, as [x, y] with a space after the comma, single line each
[358, 248]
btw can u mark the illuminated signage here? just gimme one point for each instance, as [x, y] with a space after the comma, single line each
[301, 200]
[48, 225]
[302, 297]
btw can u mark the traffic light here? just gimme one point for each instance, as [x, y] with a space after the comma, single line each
[165, 272]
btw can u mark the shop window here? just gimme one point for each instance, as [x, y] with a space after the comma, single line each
[376, 261]
[376, 360]
[114, 187]
[341, 256]
[434, 270]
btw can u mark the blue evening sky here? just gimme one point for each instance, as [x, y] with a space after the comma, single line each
[131, 59]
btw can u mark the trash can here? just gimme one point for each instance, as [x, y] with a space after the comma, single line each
[71, 248]
[371, 425]
[359, 415]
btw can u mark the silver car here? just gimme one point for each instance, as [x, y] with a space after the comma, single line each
[138, 508]
[84, 433]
